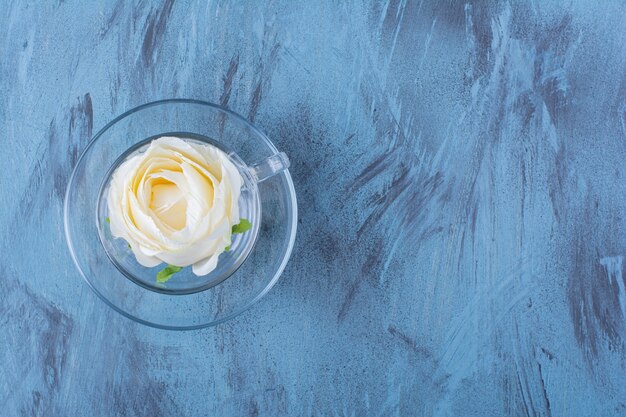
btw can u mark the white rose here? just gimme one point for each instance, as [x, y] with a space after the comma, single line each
[176, 203]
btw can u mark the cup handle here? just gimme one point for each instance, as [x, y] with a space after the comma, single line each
[270, 166]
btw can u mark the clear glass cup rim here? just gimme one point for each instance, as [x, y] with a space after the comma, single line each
[260, 135]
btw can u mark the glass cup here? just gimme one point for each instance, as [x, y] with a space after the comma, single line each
[185, 281]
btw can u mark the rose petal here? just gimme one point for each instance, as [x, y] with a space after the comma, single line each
[197, 250]
[200, 196]
[207, 265]
[143, 259]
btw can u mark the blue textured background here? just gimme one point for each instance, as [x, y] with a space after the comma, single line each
[461, 179]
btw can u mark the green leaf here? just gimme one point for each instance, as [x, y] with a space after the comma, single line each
[243, 226]
[227, 248]
[106, 219]
[167, 272]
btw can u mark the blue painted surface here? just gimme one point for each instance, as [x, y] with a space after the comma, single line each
[460, 174]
